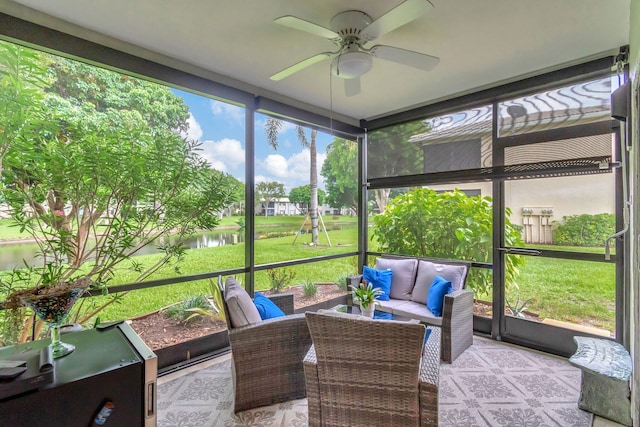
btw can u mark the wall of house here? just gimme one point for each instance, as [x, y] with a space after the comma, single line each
[565, 196]
[634, 61]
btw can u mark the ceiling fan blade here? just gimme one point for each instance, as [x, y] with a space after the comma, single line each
[405, 57]
[395, 18]
[352, 86]
[301, 65]
[306, 26]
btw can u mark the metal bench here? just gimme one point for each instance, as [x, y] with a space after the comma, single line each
[606, 372]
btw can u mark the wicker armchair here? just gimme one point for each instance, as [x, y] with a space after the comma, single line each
[371, 372]
[267, 357]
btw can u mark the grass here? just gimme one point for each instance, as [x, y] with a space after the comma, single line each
[139, 302]
[10, 232]
[567, 290]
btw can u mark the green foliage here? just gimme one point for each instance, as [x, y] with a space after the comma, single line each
[517, 308]
[214, 309]
[448, 225]
[341, 281]
[280, 278]
[267, 192]
[94, 167]
[274, 234]
[302, 195]
[184, 310]
[309, 289]
[365, 294]
[584, 230]
[340, 170]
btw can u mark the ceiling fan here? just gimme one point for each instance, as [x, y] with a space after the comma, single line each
[351, 31]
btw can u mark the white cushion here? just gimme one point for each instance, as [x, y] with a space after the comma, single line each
[242, 310]
[403, 278]
[418, 311]
[427, 271]
[388, 306]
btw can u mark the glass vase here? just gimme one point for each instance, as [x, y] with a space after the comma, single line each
[53, 308]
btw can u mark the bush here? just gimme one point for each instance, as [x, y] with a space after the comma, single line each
[584, 230]
[309, 289]
[341, 282]
[182, 311]
[447, 225]
[280, 279]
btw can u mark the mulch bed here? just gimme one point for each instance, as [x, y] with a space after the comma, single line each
[158, 330]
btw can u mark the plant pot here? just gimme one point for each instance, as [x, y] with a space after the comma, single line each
[367, 312]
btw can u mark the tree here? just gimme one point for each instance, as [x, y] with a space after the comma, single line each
[447, 225]
[390, 153]
[267, 192]
[302, 196]
[272, 129]
[97, 170]
[236, 192]
[340, 170]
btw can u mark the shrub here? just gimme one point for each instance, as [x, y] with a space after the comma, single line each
[183, 311]
[448, 225]
[309, 289]
[280, 279]
[341, 282]
[584, 230]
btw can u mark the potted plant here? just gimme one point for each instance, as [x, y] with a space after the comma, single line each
[365, 294]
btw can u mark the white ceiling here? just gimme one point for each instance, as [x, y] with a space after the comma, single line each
[480, 42]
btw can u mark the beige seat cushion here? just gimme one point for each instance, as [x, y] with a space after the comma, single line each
[242, 310]
[415, 310]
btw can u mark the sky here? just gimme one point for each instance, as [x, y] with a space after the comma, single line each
[220, 128]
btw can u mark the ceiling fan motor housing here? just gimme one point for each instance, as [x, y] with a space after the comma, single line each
[352, 62]
[350, 23]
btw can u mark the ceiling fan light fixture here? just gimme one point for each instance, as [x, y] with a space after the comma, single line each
[350, 65]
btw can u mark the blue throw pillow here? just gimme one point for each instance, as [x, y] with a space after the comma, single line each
[426, 336]
[435, 298]
[266, 307]
[378, 279]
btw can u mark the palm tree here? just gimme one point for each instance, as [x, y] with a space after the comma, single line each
[272, 127]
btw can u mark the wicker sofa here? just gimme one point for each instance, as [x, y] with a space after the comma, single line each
[361, 372]
[267, 354]
[411, 279]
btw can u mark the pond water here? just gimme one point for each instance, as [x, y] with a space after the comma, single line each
[13, 254]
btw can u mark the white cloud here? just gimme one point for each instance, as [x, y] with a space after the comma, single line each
[230, 111]
[293, 171]
[195, 131]
[276, 165]
[224, 155]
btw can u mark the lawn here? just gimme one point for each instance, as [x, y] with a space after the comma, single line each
[568, 290]
[203, 260]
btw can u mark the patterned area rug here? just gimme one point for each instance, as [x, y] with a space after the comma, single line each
[490, 384]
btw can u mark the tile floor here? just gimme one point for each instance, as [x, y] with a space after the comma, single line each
[597, 422]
